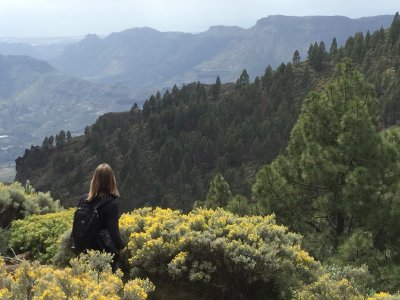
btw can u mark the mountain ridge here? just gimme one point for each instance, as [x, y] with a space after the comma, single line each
[177, 57]
[37, 100]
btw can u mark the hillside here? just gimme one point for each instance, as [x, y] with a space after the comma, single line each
[148, 59]
[167, 153]
[36, 100]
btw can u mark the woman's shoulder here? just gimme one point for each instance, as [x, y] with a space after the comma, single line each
[108, 201]
[82, 199]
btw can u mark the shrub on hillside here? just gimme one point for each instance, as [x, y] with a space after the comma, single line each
[206, 253]
[231, 257]
[4, 236]
[40, 234]
[89, 277]
[17, 202]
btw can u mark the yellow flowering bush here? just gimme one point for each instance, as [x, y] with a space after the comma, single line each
[89, 277]
[40, 234]
[217, 249]
[326, 288]
[208, 253]
[384, 296]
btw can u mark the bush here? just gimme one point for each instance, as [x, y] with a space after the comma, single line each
[358, 277]
[89, 277]
[4, 236]
[384, 296]
[249, 257]
[64, 252]
[17, 202]
[326, 288]
[206, 253]
[40, 234]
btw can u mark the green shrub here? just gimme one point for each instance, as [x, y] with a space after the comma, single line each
[40, 234]
[4, 236]
[326, 288]
[250, 257]
[64, 252]
[17, 202]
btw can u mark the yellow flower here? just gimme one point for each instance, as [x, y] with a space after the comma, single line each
[381, 296]
[5, 294]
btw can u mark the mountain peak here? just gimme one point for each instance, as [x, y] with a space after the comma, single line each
[92, 37]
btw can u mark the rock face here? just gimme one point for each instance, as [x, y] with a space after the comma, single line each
[148, 59]
[36, 100]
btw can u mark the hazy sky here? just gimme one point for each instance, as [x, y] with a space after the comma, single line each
[45, 18]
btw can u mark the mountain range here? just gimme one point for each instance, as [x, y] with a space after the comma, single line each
[81, 79]
[36, 100]
[146, 58]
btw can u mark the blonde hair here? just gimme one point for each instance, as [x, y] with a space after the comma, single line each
[103, 182]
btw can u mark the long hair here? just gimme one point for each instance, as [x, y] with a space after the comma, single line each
[103, 182]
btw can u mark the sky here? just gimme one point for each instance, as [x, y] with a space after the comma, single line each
[55, 18]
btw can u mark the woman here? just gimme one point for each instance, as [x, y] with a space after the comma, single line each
[103, 195]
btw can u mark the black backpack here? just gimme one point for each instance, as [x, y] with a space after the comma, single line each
[86, 224]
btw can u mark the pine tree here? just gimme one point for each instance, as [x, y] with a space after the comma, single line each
[267, 78]
[244, 78]
[46, 144]
[60, 139]
[296, 57]
[394, 31]
[334, 48]
[219, 194]
[336, 164]
[216, 88]
[51, 141]
[87, 130]
[69, 137]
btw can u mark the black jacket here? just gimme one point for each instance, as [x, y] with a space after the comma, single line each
[109, 218]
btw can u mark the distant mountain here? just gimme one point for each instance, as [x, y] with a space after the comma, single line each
[39, 48]
[36, 100]
[146, 58]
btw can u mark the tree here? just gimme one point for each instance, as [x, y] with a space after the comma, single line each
[239, 205]
[334, 48]
[394, 31]
[337, 168]
[219, 194]
[51, 141]
[69, 137]
[87, 130]
[244, 79]
[267, 79]
[216, 88]
[46, 144]
[316, 55]
[296, 57]
[60, 139]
